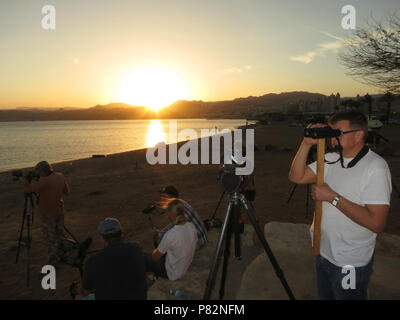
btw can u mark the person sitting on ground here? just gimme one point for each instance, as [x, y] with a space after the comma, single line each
[119, 270]
[175, 253]
[170, 192]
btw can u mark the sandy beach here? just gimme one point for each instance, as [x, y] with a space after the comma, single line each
[121, 185]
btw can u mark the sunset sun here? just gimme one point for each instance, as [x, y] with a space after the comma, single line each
[153, 87]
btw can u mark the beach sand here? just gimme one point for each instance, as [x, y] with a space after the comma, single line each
[121, 185]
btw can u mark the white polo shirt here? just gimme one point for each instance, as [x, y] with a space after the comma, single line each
[343, 241]
[179, 243]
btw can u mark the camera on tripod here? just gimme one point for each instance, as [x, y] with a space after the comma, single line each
[238, 203]
[229, 180]
[232, 182]
[31, 175]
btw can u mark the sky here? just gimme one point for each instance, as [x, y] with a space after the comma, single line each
[155, 51]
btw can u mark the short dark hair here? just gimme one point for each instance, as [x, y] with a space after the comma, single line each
[113, 237]
[171, 191]
[357, 119]
[44, 167]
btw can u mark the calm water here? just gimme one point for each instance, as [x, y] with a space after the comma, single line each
[23, 144]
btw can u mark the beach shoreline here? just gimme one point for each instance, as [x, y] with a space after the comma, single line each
[251, 126]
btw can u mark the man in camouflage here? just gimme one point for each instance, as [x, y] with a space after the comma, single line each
[50, 187]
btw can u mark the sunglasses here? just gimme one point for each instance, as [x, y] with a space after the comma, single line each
[344, 132]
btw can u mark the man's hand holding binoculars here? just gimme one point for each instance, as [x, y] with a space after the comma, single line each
[309, 142]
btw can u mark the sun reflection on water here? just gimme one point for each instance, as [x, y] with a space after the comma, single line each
[155, 134]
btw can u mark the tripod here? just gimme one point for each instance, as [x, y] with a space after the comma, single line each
[310, 159]
[28, 216]
[231, 226]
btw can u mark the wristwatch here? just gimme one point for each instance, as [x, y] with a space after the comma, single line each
[336, 200]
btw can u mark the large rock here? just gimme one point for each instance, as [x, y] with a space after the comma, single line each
[291, 246]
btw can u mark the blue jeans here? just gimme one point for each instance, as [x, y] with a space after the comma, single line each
[330, 278]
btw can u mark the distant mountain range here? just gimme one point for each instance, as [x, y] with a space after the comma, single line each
[250, 108]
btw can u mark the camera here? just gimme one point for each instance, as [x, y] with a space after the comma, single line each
[149, 209]
[31, 175]
[154, 209]
[232, 182]
[229, 180]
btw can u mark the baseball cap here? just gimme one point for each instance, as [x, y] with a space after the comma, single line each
[109, 226]
[170, 190]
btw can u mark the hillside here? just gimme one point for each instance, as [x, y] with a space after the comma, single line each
[249, 107]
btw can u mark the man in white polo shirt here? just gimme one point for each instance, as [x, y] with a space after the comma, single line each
[175, 253]
[356, 200]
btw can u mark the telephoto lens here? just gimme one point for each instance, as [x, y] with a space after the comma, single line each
[149, 209]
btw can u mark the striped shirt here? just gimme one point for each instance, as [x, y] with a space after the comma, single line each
[193, 217]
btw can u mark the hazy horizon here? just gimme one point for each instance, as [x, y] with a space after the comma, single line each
[138, 106]
[156, 52]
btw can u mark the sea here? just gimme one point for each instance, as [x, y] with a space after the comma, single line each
[25, 143]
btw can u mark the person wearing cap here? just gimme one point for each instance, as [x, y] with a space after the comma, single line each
[175, 253]
[51, 187]
[117, 272]
[170, 192]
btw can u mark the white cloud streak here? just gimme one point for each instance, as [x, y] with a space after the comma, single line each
[321, 50]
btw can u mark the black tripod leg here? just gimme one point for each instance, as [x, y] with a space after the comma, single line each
[214, 266]
[69, 232]
[236, 230]
[28, 242]
[22, 229]
[267, 249]
[227, 254]
[32, 207]
[291, 193]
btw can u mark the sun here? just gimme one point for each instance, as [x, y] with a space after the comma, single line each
[153, 87]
